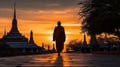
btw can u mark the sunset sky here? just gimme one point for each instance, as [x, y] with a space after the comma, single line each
[41, 17]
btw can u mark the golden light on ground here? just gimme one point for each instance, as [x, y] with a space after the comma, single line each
[65, 58]
[53, 59]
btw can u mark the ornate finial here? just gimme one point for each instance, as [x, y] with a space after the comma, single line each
[14, 10]
[31, 34]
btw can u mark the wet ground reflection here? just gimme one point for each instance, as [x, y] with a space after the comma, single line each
[52, 60]
[59, 61]
[66, 59]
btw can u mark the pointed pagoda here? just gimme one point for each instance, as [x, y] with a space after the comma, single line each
[14, 28]
[42, 45]
[16, 40]
[53, 49]
[31, 41]
[14, 36]
[84, 42]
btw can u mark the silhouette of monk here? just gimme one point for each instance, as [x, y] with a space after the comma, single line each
[59, 37]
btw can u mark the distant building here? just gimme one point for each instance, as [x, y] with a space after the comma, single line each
[48, 48]
[16, 40]
[53, 49]
[84, 42]
[85, 48]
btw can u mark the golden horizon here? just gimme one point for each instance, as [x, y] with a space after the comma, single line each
[42, 23]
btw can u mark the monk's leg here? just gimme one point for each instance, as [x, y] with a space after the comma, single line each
[59, 46]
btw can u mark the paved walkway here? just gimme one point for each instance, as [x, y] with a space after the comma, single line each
[66, 59]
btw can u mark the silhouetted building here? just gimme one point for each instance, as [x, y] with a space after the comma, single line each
[84, 42]
[42, 45]
[53, 49]
[16, 40]
[14, 36]
[85, 48]
[48, 48]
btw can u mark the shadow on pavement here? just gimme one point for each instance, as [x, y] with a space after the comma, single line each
[58, 62]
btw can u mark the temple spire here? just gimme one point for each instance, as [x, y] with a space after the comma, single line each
[14, 11]
[5, 32]
[31, 38]
[84, 42]
[14, 28]
[42, 45]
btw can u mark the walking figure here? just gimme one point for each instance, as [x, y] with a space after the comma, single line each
[59, 37]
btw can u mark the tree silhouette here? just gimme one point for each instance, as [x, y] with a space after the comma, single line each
[101, 16]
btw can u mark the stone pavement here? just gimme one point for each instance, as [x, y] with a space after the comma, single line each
[66, 59]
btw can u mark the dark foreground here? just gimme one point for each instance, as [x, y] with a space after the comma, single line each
[66, 59]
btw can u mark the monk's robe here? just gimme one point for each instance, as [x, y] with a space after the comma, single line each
[59, 37]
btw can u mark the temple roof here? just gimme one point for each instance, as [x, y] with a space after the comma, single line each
[14, 34]
[15, 39]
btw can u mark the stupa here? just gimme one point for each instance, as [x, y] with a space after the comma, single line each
[16, 40]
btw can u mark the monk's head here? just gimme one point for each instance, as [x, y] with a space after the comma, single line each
[59, 23]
